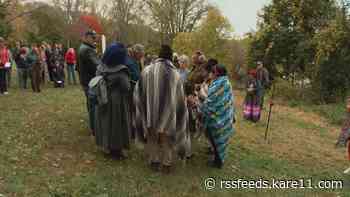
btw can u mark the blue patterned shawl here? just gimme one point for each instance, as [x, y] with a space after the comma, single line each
[218, 112]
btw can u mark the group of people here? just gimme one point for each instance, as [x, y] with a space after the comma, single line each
[162, 104]
[167, 101]
[36, 63]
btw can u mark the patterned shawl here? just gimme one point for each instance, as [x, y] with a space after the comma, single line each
[218, 112]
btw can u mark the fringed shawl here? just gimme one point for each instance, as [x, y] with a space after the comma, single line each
[160, 101]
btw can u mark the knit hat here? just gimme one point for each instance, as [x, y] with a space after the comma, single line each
[115, 55]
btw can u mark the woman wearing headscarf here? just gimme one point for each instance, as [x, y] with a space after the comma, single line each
[218, 114]
[112, 118]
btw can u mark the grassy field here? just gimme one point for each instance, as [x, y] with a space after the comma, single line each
[46, 150]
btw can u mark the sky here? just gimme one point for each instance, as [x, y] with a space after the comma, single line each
[241, 13]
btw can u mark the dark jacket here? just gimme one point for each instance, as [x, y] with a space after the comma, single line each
[88, 62]
[263, 77]
[21, 62]
[134, 68]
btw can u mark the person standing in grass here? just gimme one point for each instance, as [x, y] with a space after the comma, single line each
[161, 112]
[22, 68]
[251, 106]
[262, 75]
[35, 65]
[88, 62]
[70, 59]
[9, 69]
[49, 61]
[113, 95]
[4, 65]
[344, 137]
[43, 60]
[135, 56]
[218, 114]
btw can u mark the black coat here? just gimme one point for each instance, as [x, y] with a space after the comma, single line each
[88, 62]
[113, 119]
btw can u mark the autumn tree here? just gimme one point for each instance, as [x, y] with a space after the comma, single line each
[171, 17]
[214, 38]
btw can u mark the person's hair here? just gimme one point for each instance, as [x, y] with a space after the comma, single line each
[138, 48]
[211, 64]
[90, 33]
[184, 59]
[198, 53]
[166, 52]
[202, 59]
[220, 70]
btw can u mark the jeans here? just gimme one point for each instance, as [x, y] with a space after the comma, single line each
[22, 77]
[90, 104]
[71, 73]
[8, 77]
[3, 81]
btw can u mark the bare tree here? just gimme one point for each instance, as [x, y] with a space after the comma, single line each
[123, 14]
[73, 8]
[173, 16]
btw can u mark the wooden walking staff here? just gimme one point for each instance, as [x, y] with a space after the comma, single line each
[270, 113]
[267, 51]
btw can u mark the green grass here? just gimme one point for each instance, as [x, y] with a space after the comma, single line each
[302, 99]
[46, 151]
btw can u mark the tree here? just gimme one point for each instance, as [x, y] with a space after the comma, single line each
[284, 40]
[213, 37]
[331, 76]
[45, 24]
[306, 39]
[123, 16]
[72, 8]
[5, 7]
[171, 17]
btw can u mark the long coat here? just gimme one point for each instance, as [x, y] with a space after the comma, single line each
[160, 103]
[112, 118]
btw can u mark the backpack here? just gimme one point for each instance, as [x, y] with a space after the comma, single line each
[98, 90]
